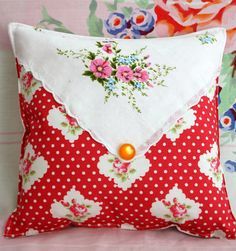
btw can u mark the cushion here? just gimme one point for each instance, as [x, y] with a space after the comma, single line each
[119, 133]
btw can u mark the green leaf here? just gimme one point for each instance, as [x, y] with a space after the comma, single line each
[144, 4]
[87, 73]
[150, 6]
[127, 11]
[32, 172]
[101, 81]
[228, 92]
[110, 160]
[49, 19]
[95, 24]
[64, 124]
[63, 29]
[132, 171]
[110, 6]
[91, 55]
[167, 216]
[113, 65]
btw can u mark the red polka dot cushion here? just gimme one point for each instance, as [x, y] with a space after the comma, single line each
[118, 138]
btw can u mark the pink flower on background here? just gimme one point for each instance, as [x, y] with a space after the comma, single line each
[141, 75]
[178, 210]
[107, 48]
[215, 163]
[124, 73]
[121, 167]
[78, 209]
[100, 68]
[72, 122]
[27, 80]
[27, 163]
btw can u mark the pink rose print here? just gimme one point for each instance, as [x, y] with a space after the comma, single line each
[72, 122]
[215, 164]
[27, 163]
[209, 164]
[178, 210]
[107, 48]
[77, 209]
[141, 75]
[176, 207]
[27, 80]
[100, 68]
[32, 167]
[121, 167]
[124, 73]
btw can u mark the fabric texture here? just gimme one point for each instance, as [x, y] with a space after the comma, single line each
[123, 80]
[88, 17]
[177, 182]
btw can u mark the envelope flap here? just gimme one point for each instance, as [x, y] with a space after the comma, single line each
[122, 91]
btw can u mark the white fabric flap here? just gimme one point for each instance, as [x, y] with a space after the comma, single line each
[122, 91]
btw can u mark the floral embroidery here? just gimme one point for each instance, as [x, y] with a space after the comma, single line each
[124, 174]
[32, 167]
[209, 164]
[118, 74]
[75, 207]
[59, 119]
[176, 207]
[186, 122]
[207, 38]
[28, 84]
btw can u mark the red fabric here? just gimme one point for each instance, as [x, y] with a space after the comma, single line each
[75, 165]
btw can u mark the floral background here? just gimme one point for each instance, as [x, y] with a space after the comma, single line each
[129, 19]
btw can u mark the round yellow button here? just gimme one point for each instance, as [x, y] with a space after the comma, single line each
[127, 151]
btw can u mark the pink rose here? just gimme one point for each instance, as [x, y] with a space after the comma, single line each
[141, 75]
[121, 167]
[72, 122]
[215, 163]
[27, 164]
[100, 68]
[27, 80]
[124, 73]
[107, 48]
[178, 210]
[77, 209]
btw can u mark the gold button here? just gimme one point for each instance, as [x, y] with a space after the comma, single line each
[127, 151]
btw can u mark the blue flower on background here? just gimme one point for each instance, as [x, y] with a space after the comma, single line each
[207, 40]
[111, 84]
[129, 34]
[142, 22]
[115, 23]
[127, 60]
[230, 166]
[228, 120]
[138, 85]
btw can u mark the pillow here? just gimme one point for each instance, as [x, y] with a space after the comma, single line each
[119, 133]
